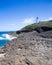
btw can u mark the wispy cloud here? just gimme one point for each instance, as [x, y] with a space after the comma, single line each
[50, 18]
[29, 20]
[47, 19]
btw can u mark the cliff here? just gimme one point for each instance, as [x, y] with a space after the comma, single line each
[29, 48]
[41, 23]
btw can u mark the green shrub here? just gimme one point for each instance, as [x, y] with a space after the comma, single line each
[32, 26]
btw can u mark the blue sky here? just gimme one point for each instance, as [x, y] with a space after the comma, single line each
[15, 14]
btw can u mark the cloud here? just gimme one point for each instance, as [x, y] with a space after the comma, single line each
[29, 20]
[47, 19]
[50, 18]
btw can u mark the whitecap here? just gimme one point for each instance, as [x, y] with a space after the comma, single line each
[8, 37]
[1, 38]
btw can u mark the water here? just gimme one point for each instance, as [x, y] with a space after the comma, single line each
[3, 40]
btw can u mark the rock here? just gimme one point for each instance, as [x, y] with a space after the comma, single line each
[28, 49]
[47, 34]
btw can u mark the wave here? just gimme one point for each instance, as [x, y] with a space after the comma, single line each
[1, 38]
[7, 37]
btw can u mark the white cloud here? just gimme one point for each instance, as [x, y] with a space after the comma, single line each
[47, 19]
[29, 20]
[50, 18]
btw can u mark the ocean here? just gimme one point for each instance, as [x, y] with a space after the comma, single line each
[4, 38]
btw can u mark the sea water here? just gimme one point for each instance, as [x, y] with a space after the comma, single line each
[4, 38]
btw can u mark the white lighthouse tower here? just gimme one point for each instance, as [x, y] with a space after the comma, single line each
[37, 20]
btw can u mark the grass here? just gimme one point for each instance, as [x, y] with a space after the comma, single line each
[32, 26]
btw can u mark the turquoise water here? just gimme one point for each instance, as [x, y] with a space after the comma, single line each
[3, 41]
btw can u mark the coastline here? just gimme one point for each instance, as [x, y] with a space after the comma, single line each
[28, 48]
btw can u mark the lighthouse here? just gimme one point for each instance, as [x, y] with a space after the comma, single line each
[37, 20]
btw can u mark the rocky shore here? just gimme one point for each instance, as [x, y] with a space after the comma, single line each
[27, 49]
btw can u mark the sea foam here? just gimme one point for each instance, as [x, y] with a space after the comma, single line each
[1, 38]
[7, 37]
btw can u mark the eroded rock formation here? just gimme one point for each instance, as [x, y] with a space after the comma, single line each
[28, 49]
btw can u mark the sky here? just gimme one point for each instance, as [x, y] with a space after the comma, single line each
[15, 14]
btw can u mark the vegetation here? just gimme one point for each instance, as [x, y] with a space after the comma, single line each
[43, 23]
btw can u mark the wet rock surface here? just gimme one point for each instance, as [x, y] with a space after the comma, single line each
[28, 49]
